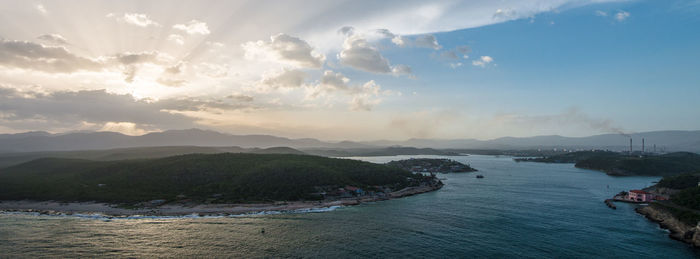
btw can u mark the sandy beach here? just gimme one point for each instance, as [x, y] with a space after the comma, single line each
[176, 209]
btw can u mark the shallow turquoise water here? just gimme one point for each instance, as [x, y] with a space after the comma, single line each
[517, 210]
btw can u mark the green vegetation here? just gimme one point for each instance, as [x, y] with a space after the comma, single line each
[686, 216]
[663, 165]
[689, 198]
[679, 182]
[225, 177]
[622, 164]
[431, 165]
[572, 157]
[10, 159]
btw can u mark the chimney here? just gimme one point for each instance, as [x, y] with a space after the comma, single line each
[643, 145]
[630, 146]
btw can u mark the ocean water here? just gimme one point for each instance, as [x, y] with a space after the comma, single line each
[527, 210]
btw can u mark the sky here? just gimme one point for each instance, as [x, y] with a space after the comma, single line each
[351, 70]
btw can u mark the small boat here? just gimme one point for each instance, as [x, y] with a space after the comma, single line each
[479, 176]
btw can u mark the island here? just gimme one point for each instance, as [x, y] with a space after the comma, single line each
[624, 164]
[431, 165]
[225, 183]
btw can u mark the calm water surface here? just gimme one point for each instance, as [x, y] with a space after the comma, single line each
[517, 210]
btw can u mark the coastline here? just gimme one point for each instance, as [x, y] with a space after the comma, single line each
[174, 210]
[678, 229]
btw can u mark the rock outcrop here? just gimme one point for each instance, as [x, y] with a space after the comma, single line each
[679, 229]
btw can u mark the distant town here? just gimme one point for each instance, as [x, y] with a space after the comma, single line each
[430, 165]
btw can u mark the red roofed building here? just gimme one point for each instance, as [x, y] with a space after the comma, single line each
[640, 196]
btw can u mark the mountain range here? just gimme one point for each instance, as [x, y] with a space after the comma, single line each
[43, 141]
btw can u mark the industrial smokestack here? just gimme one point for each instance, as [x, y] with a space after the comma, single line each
[643, 150]
[630, 146]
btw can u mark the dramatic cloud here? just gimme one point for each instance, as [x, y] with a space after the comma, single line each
[98, 107]
[427, 41]
[358, 53]
[137, 19]
[483, 61]
[33, 56]
[285, 48]
[622, 16]
[193, 27]
[53, 39]
[287, 78]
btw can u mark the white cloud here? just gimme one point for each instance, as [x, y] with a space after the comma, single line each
[483, 61]
[193, 27]
[286, 78]
[53, 39]
[401, 70]
[137, 19]
[361, 97]
[505, 15]
[600, 13]
[622, 16]
[177, 39]
[334, 80]
[366, 97]
[283, 48]
[358, 53]
[395, 38]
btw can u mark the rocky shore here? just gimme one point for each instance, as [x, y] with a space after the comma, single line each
[112, 210]
[679, 230]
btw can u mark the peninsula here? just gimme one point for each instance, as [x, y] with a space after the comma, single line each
[673, 202]
[202, 183]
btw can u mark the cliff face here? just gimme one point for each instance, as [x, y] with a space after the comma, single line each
[679, 230]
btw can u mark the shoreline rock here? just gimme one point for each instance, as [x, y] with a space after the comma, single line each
[678, 230]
